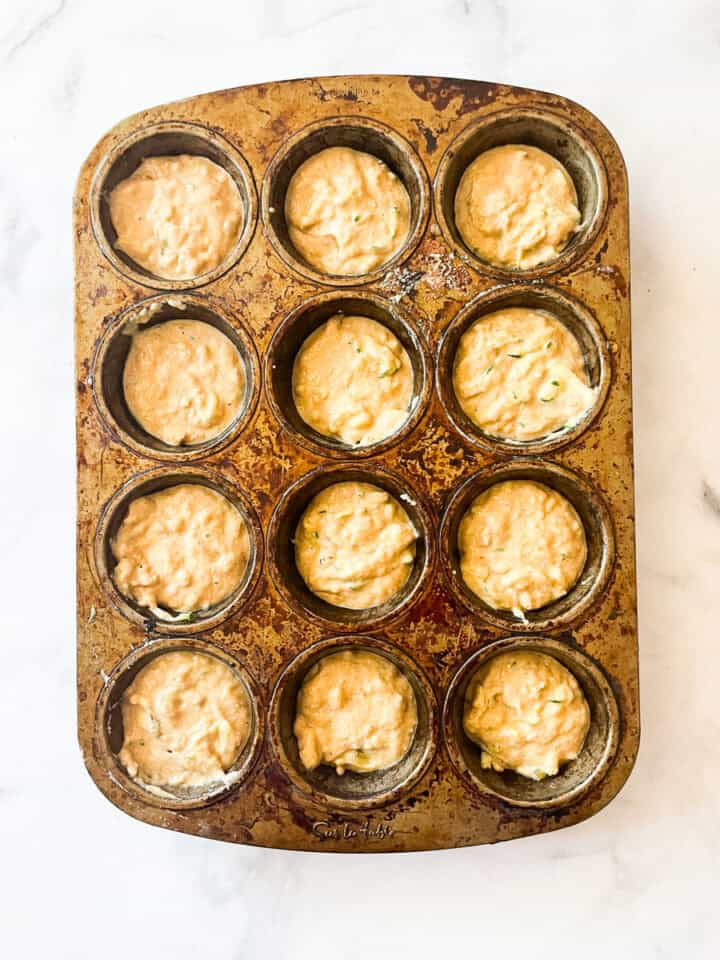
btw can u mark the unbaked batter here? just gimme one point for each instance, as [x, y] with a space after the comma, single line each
[184, 381]
[519, 374]
[516, 206]
[353, 380]
[355, 711]
[522, 545]
[182, 549]
[178, 217]
[528, 713]
[186, 718]
[347, 213]
[355, 545]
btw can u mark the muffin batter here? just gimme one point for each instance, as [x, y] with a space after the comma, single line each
[354, 545]
[184, 381]
[519, 374]
[178, 217]
[516, 206]
[355, 711]
[347, 213]
[182, 549]
[522, 545]
[186, 718]
[528, 713]
[352, 380]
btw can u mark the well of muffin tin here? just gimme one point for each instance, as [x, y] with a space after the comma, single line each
[560, 306]
[162, 140]
[358, 133]
[297, 327]
[574, 778]
[110, 734]
[109, 366]
[350, 789]
[281, 549]
[535, 128]
[114, 512]
[599, 534]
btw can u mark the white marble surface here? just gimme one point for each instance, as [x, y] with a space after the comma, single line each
[80, 879]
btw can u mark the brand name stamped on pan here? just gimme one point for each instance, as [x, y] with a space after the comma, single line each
[367, 831]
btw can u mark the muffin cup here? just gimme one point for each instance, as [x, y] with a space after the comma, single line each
[109, 727]
[160, 140]
[114, 512]
[351, 790]
[281, 550]
[109, 365]
[288, 340]
[576, 777]
[568, 311]
[358, 133]
[599, 534]
[536, 128]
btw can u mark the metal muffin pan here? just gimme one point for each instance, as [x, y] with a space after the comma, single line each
[269, 463]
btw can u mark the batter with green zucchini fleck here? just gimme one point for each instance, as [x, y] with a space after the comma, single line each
[347, 213]
[182, 549]
[355, 545]
[178, 217]
[522, 545]
[355, 711]
[528, 714]
[516, 206]
[353, 380]
[519, 374]
[186, 718]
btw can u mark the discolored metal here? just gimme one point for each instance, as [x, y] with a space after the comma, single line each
[269, 463]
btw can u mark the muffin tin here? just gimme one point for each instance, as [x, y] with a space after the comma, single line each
[271, 630]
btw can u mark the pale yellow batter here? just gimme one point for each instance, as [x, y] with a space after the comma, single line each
[516, 206]
[181, 549]
[347, 213]
[178, 217]
[355, 711]
[519, 374]
[353, 380]
[528, 713]
[355, 545]
[184, 381]
[186, 718]
[522, 545]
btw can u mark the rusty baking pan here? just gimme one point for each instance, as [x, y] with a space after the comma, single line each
[269, 463]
